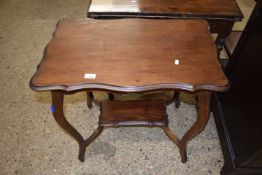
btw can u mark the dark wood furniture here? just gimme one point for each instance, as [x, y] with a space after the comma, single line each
[221, 14]
[230, 45]
[131, 55]
[238, 111]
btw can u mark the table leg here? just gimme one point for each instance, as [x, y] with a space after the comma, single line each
[199, 125]
[196, 128]
[172, 136]
[177, 98]
[58, 113]
[88, 141]
[220, 40]
[90, 97]
[111, 96]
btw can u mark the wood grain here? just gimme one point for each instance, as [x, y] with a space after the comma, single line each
[208, 9]
[130, 55]
[133, 113]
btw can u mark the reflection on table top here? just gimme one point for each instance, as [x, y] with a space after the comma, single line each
[208, 9]
[130, 55]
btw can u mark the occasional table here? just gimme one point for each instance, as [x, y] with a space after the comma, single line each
[126, 56]
[221, 14]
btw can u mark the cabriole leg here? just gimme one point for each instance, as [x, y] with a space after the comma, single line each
[58, 113]
[199, 125]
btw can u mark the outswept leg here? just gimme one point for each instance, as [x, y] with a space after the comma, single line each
[172, 136]
[200, 123]
[58, 113]
[88, 141]
[197, 127]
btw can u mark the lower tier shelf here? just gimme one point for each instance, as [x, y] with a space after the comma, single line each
[133, 113]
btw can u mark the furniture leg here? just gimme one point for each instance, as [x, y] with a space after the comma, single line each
[58, 113]
[177, 99]
[111, 96]
[199, 125]
[88, 141]
[172, 136]
[176, 141]
[220, 40]
[90, 97]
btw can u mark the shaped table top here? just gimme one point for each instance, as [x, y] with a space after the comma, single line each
[208, 9]
[130, 55]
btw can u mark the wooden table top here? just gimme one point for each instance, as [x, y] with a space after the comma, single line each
[130, 55]
[208, 9]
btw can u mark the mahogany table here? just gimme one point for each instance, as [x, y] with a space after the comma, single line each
[126, 56]
[221, 14]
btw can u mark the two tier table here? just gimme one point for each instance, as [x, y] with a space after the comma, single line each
[127, 56]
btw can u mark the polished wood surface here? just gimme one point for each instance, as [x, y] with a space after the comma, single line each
[208, 9]
[58, 113]
[133, 113]
[221, 15]
[130, 55]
